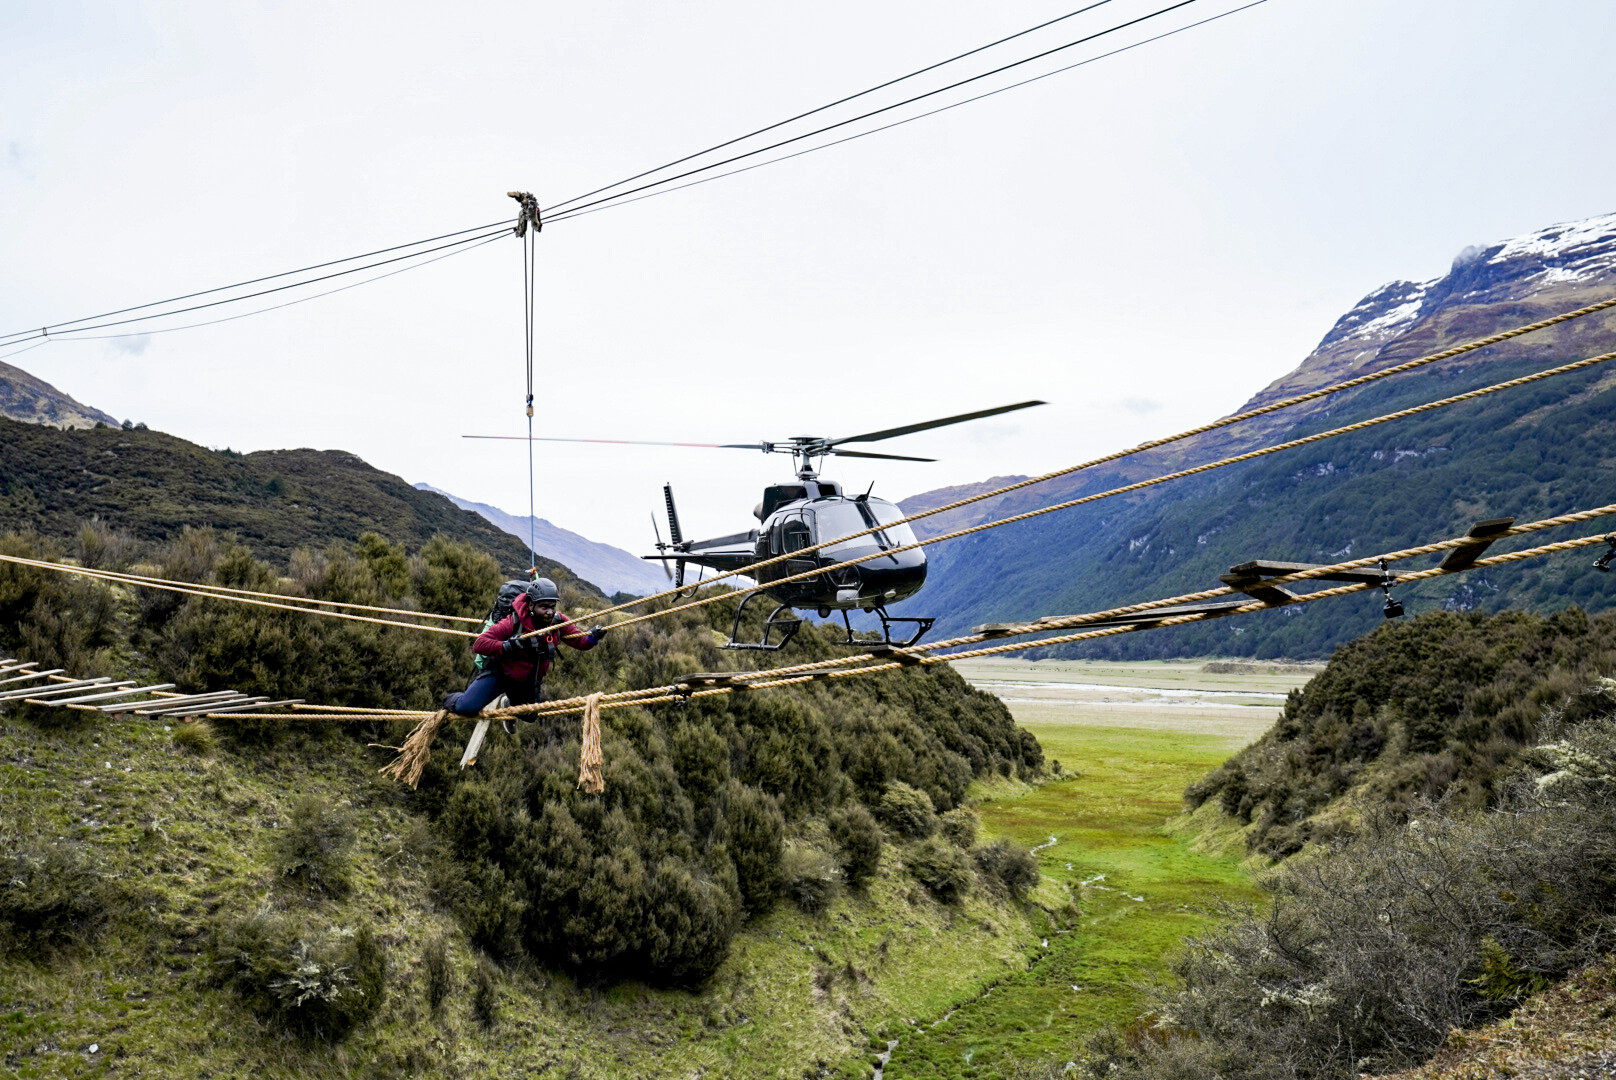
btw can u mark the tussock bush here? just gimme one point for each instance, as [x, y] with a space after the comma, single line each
[858, 843]
[317, 981]
[438, 970]
[959, 827]
[485, 994]
[1010, 865]
[906, 810]
[809, 878]
[50, 896]
[1435, 708]
[942, 868]
[313, 848]
[195, 737]
[1371, 952]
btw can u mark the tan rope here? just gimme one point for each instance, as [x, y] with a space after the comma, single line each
[153, 584]
[226, 591]
[1283, 403]
[917, 653]
[416, 751]
[1127, 488]
[589, 755]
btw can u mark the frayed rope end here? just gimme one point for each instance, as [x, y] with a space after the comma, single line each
[416, 751]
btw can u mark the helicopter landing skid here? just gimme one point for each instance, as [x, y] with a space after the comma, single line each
[885, 642]
[787, 627]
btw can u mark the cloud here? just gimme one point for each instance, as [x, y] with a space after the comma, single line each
[134, 345]
[1139, 406]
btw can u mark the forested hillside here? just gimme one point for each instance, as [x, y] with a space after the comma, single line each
[1525, 453]
[152, 486]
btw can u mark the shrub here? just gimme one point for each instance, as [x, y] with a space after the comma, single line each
[1010, 865]
[755, 841]
[485, 994]
[438, 969]
[50, 896]
[858, 842]
[906, 810]
[313, 847]
[1372, 951]
[942, 868]
[195, 737]
[959, 827]
[319, 982]
[809, 878]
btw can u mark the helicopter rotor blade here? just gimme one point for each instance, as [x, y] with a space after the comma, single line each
[888, 457]
[628, 442]
[660, 546]
[909, 429]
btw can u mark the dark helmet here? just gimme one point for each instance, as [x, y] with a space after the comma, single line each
[543, 591]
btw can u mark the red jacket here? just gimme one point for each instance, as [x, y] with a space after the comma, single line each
[520, 665]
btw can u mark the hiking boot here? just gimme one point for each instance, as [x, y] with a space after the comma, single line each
[509, 725]
[449, 700]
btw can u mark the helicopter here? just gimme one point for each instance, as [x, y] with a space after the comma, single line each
[795, 516]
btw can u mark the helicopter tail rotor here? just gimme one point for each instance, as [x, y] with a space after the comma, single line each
[660, 546]
[675, 534]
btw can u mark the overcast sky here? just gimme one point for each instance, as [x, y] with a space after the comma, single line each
[1143, 242]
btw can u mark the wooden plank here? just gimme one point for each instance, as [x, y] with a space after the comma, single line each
[116, 693]
[1250, 573]
[33, 675]
[1483, 533]
[475, 744]
[63, 688]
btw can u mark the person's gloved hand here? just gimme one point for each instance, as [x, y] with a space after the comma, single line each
[596, 633]
[519, 645]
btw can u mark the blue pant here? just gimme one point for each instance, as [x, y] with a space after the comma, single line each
[485, 686]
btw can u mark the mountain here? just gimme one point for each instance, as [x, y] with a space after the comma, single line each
[1526, 453]
[612, 569]
[151, 485]
[34, 401]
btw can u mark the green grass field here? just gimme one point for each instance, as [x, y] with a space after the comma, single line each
[1141, 890]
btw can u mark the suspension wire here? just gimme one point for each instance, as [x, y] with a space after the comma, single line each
[530, 285]
[45, 330]
[74, 335]
[888, 108]
[561, 206]
[292, 285]
[906, 120]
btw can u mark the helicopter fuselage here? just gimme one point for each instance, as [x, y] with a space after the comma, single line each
[795, 517]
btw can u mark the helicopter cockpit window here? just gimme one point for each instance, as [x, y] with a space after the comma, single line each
[885, 514]
[794, 533]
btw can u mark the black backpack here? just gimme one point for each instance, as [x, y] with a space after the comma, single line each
[504, 603]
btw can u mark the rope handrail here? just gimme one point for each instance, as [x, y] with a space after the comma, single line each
[225, 590]
[80, 571]
[918, 653]
[1283, 403]
[1125, 489]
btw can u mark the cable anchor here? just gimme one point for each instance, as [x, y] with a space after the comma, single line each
[1393, 608]
[1602, 564]
[529, 214]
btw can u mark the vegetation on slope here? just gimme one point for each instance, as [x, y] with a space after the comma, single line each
[826, 795]
[1438, 708]
[1478, 869]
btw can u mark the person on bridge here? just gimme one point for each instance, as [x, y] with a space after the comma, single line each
[516, 652]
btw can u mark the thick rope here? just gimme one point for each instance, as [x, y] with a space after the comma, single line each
[1283, 403]
[158, 583]
[589, 755]
[919, 653]
[1127, 488]
[416, 751]
[226, 592]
